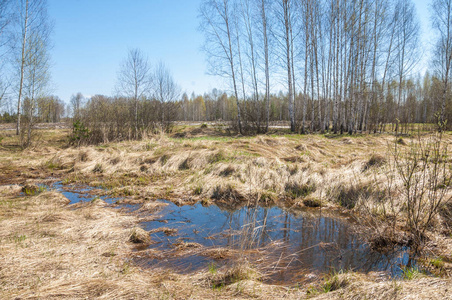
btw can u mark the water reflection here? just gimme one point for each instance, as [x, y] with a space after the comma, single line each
[286, 245]
[292, 244]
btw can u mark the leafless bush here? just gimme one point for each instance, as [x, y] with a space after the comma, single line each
[425, 172]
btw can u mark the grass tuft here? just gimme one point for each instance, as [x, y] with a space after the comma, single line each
[226, 192]
[349, 196]
[98, 168]
[312, 202]
[228, 171]
[412, 273]
[374, 161]
[235, 274]
[164, 159]
[139, 236]
[217, 157]
[296, 190]
[185, 165]
[33, 189]
[197, 190]
[401, 141]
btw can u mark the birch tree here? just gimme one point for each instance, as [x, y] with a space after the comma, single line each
[442, 23]
[407, 39]
[166, 91]
[31, 20]
[217, 24]
[265, 34]
[37, 74]
[135, 81]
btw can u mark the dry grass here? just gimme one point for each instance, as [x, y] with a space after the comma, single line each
[139, 236]
[423, 288]
[51, 251]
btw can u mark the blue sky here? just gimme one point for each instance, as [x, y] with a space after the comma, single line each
[92, 37]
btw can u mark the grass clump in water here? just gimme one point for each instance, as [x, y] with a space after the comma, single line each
[139, 236]
[312, 202]
[32, 189]
[412, 273]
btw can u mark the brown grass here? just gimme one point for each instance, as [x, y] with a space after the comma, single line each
[51, 251]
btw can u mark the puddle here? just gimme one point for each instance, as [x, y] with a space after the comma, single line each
[289, 247]
[76, 194]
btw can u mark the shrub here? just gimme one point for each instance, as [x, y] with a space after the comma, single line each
[423, 168]
[80, 134]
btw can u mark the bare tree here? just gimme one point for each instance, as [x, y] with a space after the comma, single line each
[217, 24]
[442, 22]
[24, 25]
[286, 6]
[265, 35]
[407, 38]
[167, 92]
[6, 18]
[37, 73]
[5, 21]
[135, 80]
[31, 21]
[76, 104]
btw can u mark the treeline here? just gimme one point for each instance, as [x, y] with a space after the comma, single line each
[49, 109]
[106, 118]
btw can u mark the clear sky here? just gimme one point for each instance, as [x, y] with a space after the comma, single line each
[92, 37]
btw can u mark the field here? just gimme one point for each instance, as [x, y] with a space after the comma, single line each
[51, 249]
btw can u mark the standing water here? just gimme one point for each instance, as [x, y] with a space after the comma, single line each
[289, 246]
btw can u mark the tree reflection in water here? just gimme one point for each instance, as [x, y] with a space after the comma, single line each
[285, 245]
